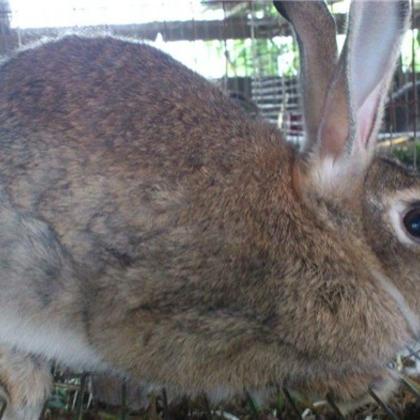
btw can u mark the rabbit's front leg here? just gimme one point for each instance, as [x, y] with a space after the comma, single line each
[25, 384]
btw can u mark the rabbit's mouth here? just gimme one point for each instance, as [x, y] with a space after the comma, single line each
[402, 371]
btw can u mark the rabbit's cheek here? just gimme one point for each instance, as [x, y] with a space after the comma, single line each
[412, 319]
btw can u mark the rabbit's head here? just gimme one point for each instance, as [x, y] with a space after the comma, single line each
[358, 193]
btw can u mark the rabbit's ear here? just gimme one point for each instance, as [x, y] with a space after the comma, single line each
[355, 98]
[315, 32]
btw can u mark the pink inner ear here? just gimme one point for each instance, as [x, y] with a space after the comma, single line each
[366, 118]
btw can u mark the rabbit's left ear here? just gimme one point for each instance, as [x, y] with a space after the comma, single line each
[315, 33]
[355, 99]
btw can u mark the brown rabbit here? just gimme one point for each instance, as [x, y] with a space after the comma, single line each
[149, 228]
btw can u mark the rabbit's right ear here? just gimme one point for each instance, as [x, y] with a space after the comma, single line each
[355, 99]
[315, 33]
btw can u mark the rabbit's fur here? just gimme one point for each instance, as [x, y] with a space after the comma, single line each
[150, 228]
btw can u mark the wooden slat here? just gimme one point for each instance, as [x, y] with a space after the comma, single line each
[230, 28]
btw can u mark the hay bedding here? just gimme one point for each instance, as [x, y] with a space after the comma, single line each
[74, 399]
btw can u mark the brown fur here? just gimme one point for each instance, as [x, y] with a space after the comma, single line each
[204, 258]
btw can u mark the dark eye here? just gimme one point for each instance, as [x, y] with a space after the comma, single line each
[412, 222]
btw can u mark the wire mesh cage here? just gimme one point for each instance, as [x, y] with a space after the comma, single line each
[248, 50]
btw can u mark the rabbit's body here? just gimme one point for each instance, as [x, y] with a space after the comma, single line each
[161, 206]
[182, 243]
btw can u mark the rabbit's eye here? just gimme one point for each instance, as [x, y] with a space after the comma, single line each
[412, 222]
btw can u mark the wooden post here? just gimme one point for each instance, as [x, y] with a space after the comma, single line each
[8, 37]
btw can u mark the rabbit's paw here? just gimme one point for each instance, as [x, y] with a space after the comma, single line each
[25, 384]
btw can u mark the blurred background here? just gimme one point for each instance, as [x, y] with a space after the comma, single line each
[248, 50]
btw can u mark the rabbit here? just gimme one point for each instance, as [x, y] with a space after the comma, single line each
[151, 229]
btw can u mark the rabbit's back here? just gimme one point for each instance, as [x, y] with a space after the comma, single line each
[113, 102]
